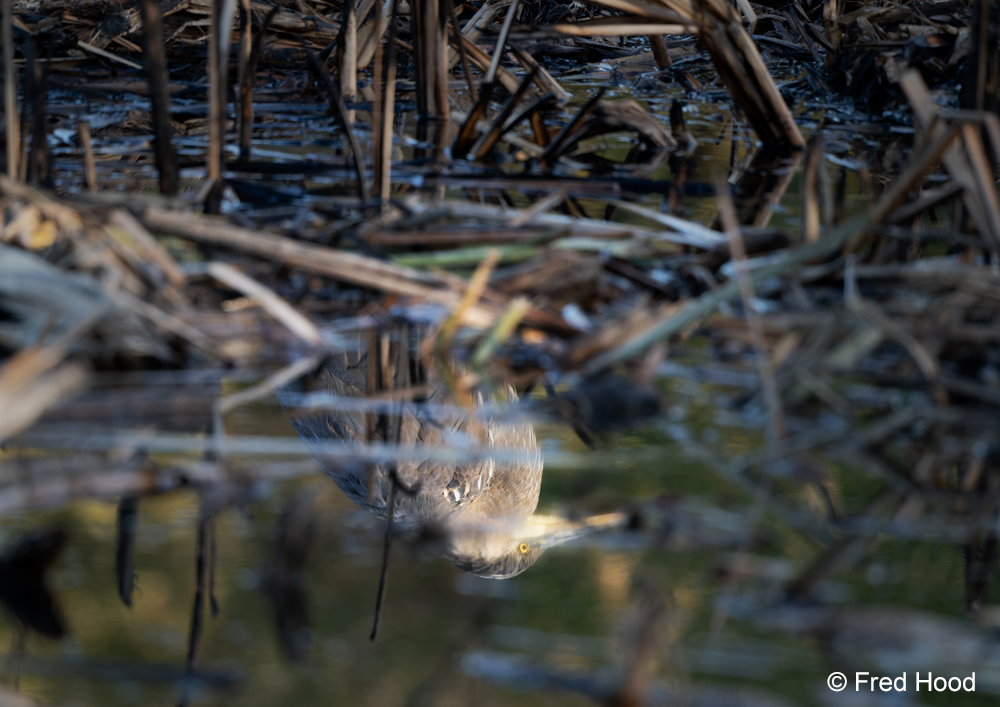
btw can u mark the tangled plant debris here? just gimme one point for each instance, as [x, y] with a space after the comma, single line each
[206, 201]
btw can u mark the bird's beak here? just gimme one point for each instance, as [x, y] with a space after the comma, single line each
[576, 529]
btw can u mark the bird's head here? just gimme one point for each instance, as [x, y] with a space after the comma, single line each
[499, 550]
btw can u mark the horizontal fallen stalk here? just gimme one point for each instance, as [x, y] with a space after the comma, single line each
[347, 267]
[108, 55]
[276, 446]
[295, 321]
[467, 256]
[650, 10]
[673, 323]
[61, 438]
[695, 236]
[620, 28]
[392, 403]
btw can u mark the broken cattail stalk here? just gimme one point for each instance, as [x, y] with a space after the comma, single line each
[370, 36]
[10, 112]
[159, 95]
[378, 105]
[490, 138]
[245, 79]
[246, 86]
[202, 560]
[214, 156]
[384, 164]
[38, 163]
[429, 29]
[672, 322]
[653, 11]
[810, 199]
[622, 27]
[218, 69]
[736, 58]
[349, 58]
[745, 75]
[227, 10]
[482, 60]
[128, 524]
[461, 49]
[90, 165]
[362, 10]
[340, 113]
[555, 147]
[443, 109]
[491, 73]
[483, 17]
[27, 100]
[543, 78]
[294, 321]
[349, 267]
[979, 198]
[661, 56]
[467, 133]
[748, 12]
[831, 28]
[982, 177]
[979, 84]
[110, 56]
[473, 28]
[151, 253]
[427, 36]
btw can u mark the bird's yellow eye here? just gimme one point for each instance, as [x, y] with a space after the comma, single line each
[523, 547]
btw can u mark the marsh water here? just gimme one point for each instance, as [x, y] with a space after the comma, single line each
[450, 639]
[441, 626]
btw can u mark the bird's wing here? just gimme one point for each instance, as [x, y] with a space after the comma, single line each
[328, 425]
[431, 487]
[439, 482]
[343, 377]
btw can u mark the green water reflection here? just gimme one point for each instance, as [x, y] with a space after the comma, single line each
[435, 613]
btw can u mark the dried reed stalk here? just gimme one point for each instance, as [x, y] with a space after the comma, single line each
[245, 79]
[294, 321]
[383, 163]
[736, 58]
[491, 73]
[500, 123]
[246, 85]
[159, 96]
[461, 49]
[349, 267]
[624, 27]
[371, 34]
[429, 42]
[340, 113]
[658, 45]
[39, 164]
[214, 156]
[482, 60]
[349, 58]
[90, 165]
[10, 90]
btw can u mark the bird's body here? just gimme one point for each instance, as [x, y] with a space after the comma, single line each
[484, 506]
[484, 509]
